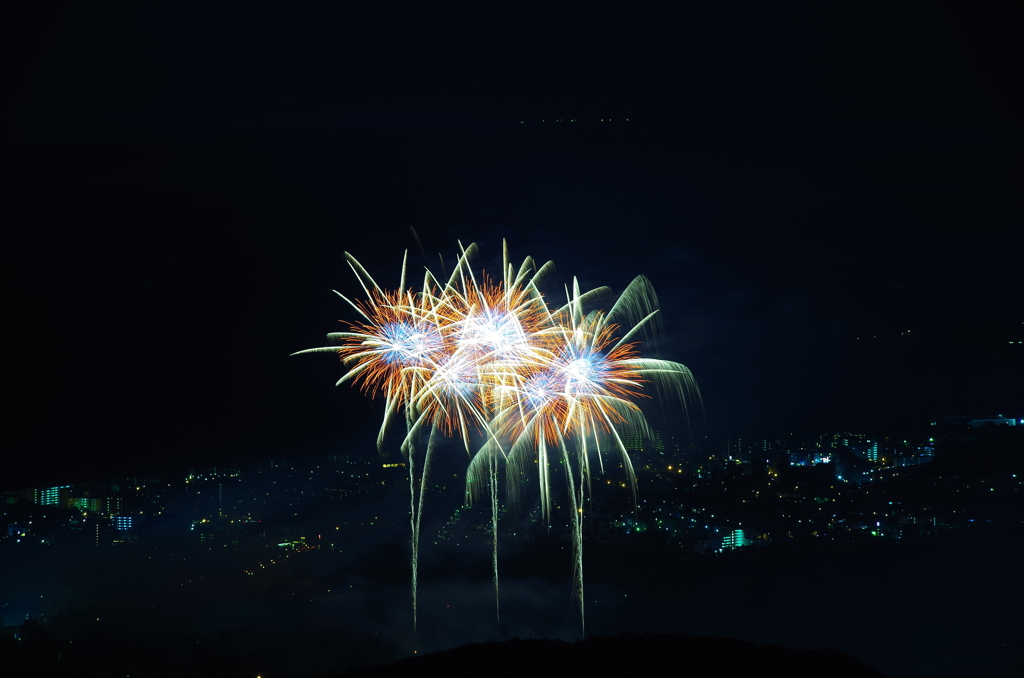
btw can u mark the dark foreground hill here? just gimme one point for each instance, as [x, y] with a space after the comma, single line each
[628, 654]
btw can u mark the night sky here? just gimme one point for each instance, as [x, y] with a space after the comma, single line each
[826, 199]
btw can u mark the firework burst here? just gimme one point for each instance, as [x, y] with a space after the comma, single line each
[468, 358]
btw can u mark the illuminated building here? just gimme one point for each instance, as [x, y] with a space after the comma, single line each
[833, 440]
[85, 504]
[51, 496]
[735, 539]
[634, 441]
[752, 450]
[868, 451]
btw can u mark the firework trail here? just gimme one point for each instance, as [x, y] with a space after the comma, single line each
[466, 357]
[582, 392]
[429, 353]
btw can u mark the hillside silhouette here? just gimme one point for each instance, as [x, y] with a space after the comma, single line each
[628, 654]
